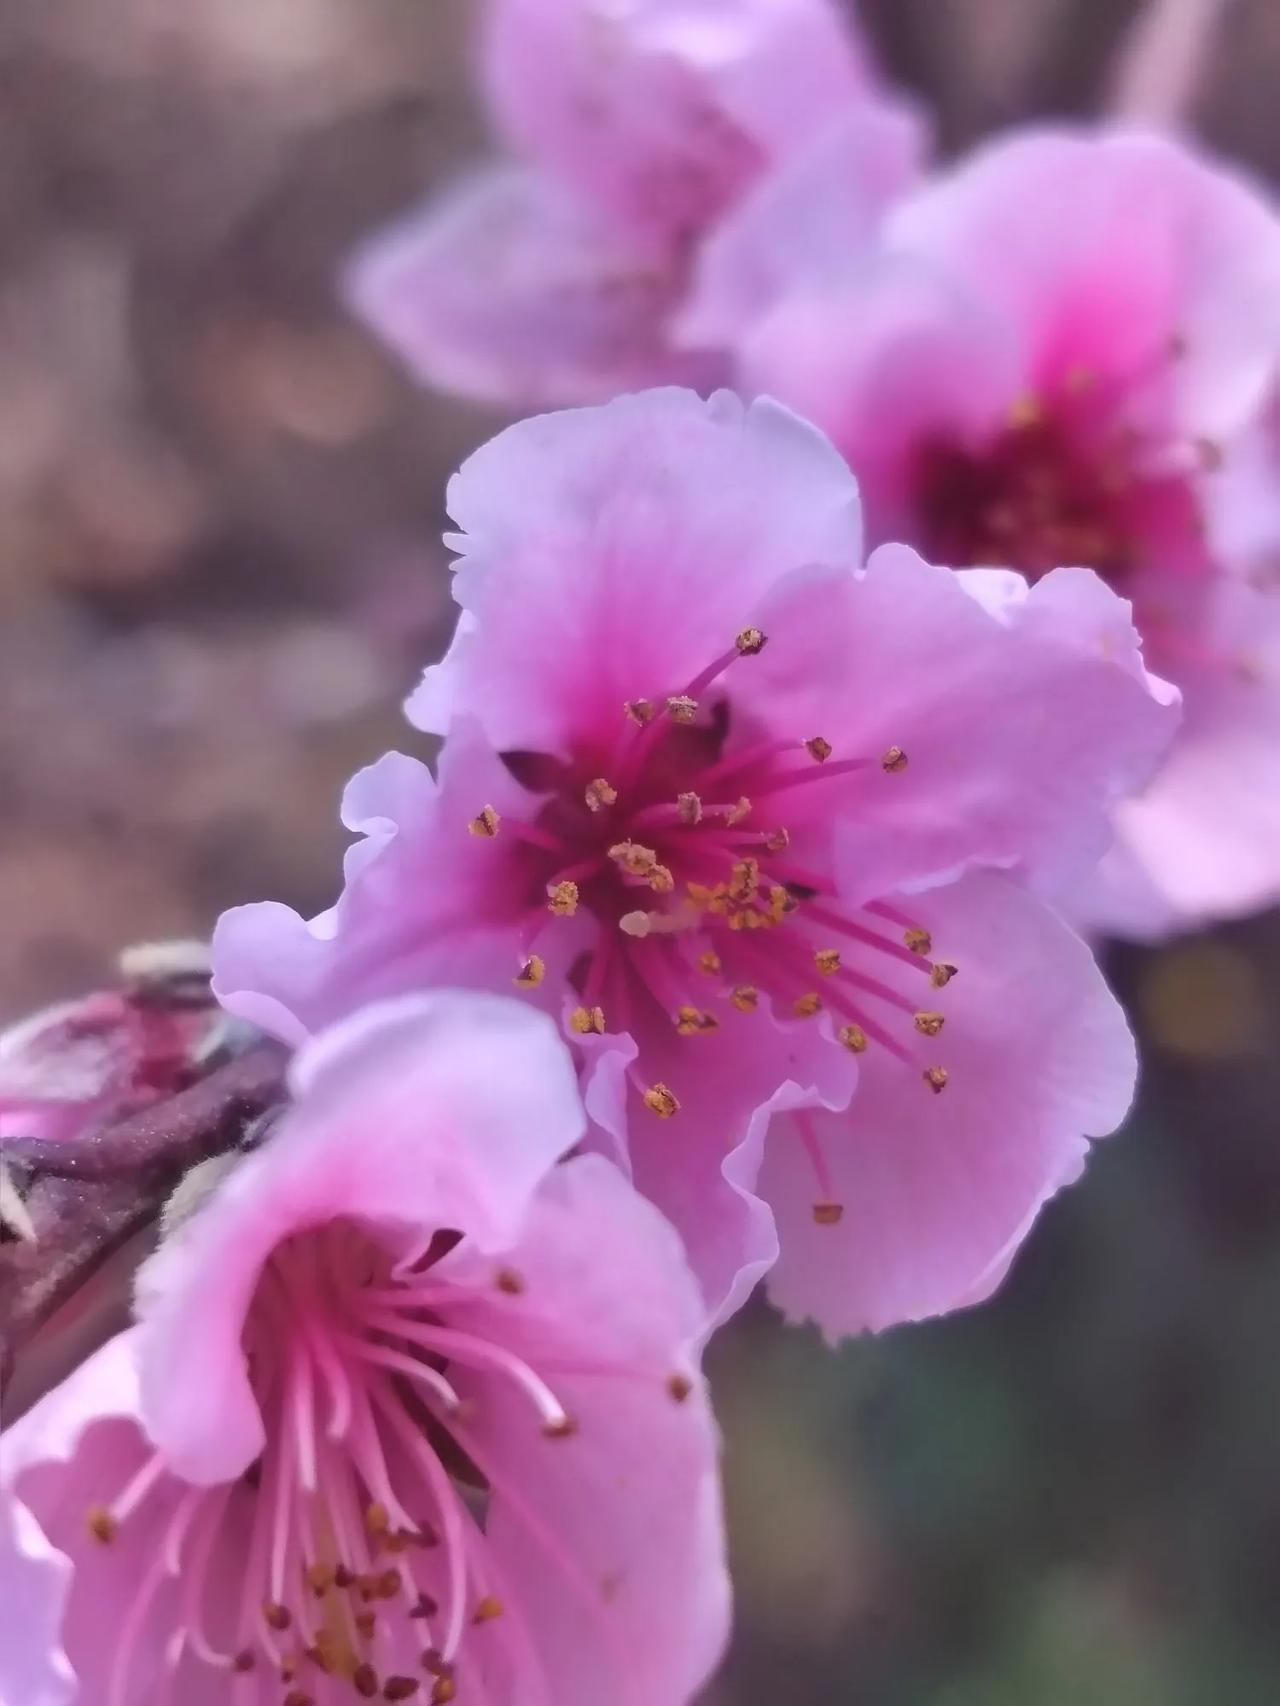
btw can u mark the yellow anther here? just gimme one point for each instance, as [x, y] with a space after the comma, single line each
[746, 998]
[709, 963]
[531, 973]
[777, 841]
[1211, 454]
[690, 808]
[319, 1579]
[599, 794]
[486, 823]
[738, 813]
[641, 710]
[929, 1024]
[661, 1101]
[276, 1616]
[638, 861]
[101, 1525]
[781, 902]
[489, 1608]
[562, 899]
[1025, 412]
[660, 879]
[750, 641]
[679, 1387]
[681, 708]
[828, 1213]
[744, 881]
[585, 1020]
[936, 1078]
[509, 1281]
[693, 1022]
[942, 974]
[827, 961]
[805, 1006]
[918, 940]
[894, 760]
[444, 1690]
[401, 1687]
[818, 749]
[854, 1038]
[376, 1519]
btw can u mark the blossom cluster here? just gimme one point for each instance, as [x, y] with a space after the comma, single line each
[818, 679]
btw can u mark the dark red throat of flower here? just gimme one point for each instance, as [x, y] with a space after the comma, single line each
[1055, 487]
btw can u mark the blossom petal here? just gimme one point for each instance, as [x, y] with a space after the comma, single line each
[1203, 840]
[938, 1191]
[76, 1449]
[423, 903]
[619, 1570]
[885, 356]
[612, 553]
[54, 1464]
[811, 220]
[422, 1114]
[1103, 250]
[509, 292]
[661, 113]
[700, 1165]
[1023, 716]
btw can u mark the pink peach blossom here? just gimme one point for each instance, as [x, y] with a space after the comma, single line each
[632, 127]
[1062, 351]
[737, 809]
[409, 1412]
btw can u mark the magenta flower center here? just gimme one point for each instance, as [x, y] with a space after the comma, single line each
[700, 852]
[351, 1561]
[1061, 484]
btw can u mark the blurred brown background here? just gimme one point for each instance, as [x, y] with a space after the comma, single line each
[219, 569]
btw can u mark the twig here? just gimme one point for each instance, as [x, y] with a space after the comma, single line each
[85, 1201]
[1161, 65]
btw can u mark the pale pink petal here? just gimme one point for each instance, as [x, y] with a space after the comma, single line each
[700, 1166]
[938, 1190]
[1104, 251]
[64, 1449]
[1021, 722]
[612, 1539]
[33, 1667]
[811, 222]
[422, 906]
[1205, 834]
[886, 358]
[512, 293]
[661, 113]
[423, 1114]
[610, 554]
[70, 1456]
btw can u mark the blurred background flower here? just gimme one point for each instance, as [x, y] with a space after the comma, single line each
[219, 511]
